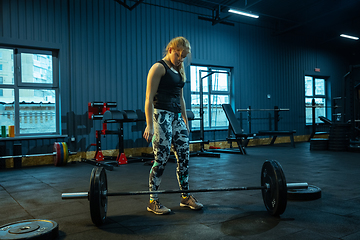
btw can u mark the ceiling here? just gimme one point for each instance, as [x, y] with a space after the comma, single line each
[318, 22]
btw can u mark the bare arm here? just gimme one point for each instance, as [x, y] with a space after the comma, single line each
[153, 80]
[183, 110]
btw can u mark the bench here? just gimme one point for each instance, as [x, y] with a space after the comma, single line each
[235, 127]
[202, 152]
[242, 139]
[325, 120]
[274, 135]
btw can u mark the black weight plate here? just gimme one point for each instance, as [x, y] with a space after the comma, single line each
[283, 188]
[318, 148]
[275, 199]
[340, 140]
[319, 141]
[30, 229]
[340, 144]
[311, 193]
[337, 148]
[324, 142]
[319, 144]
[98, 196]
[338, 135]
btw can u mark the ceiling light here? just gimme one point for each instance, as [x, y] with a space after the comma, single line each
[348, 36]
[243, 13]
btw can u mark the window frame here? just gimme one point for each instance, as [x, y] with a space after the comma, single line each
[316, 96]
[209, 72]
[18, 85]
[55, 68]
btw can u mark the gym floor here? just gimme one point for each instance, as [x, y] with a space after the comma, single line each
[35, 193]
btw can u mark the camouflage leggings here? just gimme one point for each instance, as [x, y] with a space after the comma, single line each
[169, 129]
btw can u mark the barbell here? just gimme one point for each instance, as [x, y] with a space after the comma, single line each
[263, 109]
[61, 154]
[273, 188]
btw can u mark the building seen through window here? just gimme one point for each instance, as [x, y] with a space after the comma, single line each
[215, 90]
[315, 90]
[28, 98]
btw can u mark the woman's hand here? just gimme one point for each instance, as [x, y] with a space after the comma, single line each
[148, 134]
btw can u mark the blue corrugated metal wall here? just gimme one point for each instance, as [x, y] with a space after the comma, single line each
[113, 48]
[270, 65]
[106, 51]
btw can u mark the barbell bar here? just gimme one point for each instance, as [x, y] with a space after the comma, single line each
[273, 188]
[263, 109]
[28, 155]
[60, 154]
[83, 195]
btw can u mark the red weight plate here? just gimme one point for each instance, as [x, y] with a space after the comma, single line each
[57, 156]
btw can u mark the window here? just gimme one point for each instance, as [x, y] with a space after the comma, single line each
[30, 103]
[215, 82]
[315, 90]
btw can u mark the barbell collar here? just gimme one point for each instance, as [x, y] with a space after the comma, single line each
[297, 185]
[77, 195]
[80, 195]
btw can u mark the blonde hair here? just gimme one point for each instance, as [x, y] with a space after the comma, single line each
[180, 44]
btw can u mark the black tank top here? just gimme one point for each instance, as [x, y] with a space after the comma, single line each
[167, 96]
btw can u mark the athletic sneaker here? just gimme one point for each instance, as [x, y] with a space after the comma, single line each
[156, 207]
[191, 202]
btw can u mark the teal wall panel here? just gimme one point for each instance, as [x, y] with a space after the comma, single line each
[106, 51]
